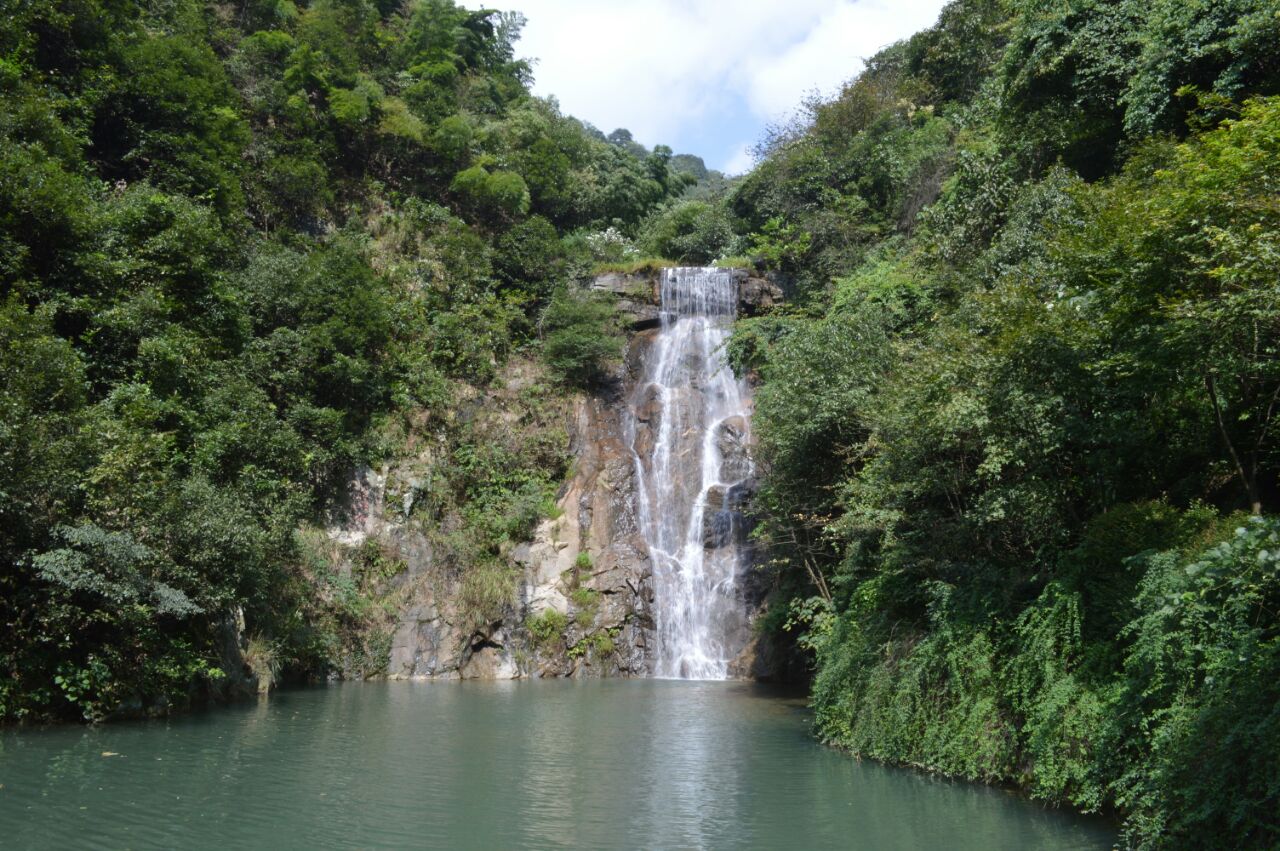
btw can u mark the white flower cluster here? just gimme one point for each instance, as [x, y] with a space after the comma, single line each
[611, 245]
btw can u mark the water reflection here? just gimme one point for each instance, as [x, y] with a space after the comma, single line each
[624, 764]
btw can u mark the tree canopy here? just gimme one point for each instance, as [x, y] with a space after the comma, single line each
[1017, 423]
[240, 244]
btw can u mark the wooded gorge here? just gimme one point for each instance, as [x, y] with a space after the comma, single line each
[1016, 420]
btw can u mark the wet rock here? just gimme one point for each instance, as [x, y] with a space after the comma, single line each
[735, 497]
[731, 442]
[757, 661]
[639, 347]
[717, 528]
[724, 518]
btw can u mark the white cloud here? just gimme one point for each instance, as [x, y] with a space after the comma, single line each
[834, 50]
[740, 163]
[659, 66]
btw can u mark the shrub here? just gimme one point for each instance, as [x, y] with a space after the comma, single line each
[547, 626]
[691, 231]
[581, 338]
[597, 645]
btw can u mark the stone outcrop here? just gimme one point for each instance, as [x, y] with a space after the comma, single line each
[756, 294]
[430, 637]
[637, 296]
[590, 564]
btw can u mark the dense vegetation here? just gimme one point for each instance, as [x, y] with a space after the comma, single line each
[1018, 425]
[245, 247]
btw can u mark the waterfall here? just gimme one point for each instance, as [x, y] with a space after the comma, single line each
[690, 431]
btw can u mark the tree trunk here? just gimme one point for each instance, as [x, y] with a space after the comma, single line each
[1246, 477]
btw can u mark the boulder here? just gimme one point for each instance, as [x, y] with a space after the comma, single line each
[757, 294]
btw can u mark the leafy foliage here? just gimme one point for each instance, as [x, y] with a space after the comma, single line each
[1023, 399]
[693, 232]
[243, 249]
[582, 338]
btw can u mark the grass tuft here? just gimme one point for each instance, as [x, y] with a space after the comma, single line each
[639, 266]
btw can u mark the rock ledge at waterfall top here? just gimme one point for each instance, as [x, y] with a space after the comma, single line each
[638, 294]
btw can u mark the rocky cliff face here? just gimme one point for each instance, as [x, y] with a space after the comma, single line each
[584, 596]
[590, 565]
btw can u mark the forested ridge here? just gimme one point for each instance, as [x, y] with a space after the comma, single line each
[245, 248]
[1018, 422]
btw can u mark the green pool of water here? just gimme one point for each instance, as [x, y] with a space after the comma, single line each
[551, 764]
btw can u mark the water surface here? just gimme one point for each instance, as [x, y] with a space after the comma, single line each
[543, 764]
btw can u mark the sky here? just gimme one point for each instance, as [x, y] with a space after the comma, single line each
[703, 76]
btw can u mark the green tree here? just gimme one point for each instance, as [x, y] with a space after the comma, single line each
[581, 338]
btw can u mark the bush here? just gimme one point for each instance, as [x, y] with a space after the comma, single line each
[582, 341]
[546, 627]
[693, 232]
[492, 194]
[528, 257]
[1196, 730]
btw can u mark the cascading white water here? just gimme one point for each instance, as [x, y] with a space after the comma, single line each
[690, 435]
